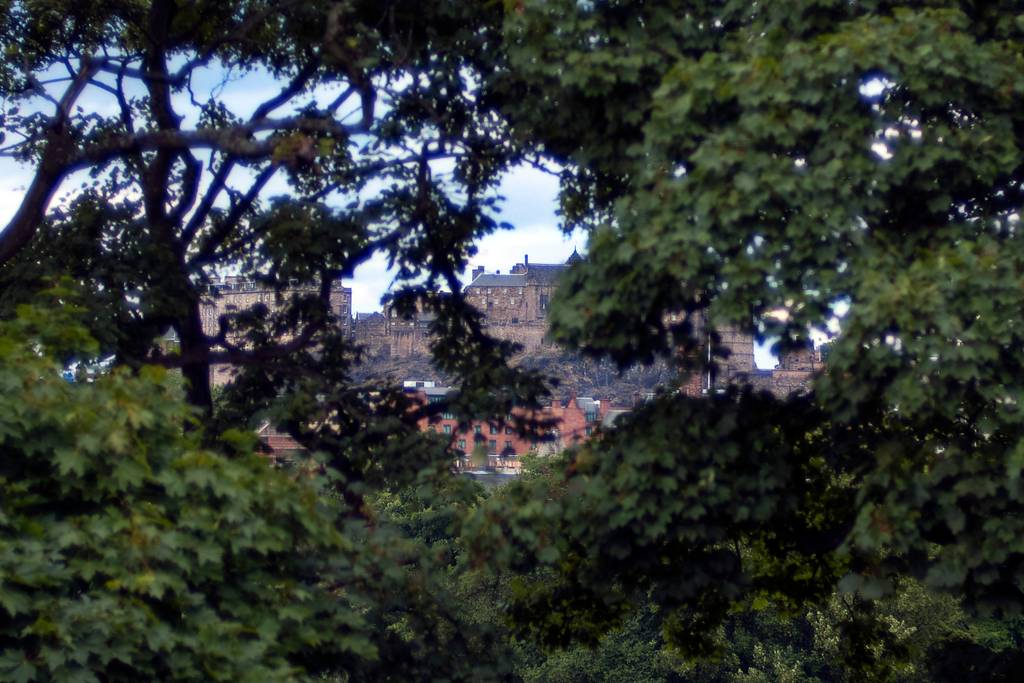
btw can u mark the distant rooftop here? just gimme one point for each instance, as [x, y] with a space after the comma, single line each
[239, 283]
[544, 273]
[497, 280]
[525, 273]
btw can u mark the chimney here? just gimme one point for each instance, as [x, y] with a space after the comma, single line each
[478, 271]
[526, 259]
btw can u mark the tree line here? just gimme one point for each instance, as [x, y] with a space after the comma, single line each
[758, 165]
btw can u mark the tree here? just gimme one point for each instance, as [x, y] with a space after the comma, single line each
[762, 165]
[736, 160]
[147, 185]
[374, 125]
[128, 551]
[377, 130]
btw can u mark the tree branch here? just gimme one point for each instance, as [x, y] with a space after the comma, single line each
[238, 211]
[289, 91]
[234, 140]
[220, 179]
[52, 169]
[236, 355]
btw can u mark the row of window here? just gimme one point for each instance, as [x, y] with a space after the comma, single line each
[477, 429]
[492, 446]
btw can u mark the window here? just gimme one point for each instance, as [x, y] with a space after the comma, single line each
[543, 302]
[462, 445]
[448, 415]
[492, 447]
[494, 430]
[508, 445]
[447, 429]
[476, 429]
[590, 430]
[508, 430]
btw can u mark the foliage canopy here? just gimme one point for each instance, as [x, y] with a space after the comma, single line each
[759, 165]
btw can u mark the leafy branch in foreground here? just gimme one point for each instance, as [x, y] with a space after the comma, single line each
[129, 550]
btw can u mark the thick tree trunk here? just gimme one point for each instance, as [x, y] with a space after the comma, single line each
[196, 373]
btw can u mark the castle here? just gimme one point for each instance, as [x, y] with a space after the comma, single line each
[515, 307]
[234, 294]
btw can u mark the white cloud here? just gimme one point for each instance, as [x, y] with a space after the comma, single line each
[542, 243]
[529, 206]
[370, 283]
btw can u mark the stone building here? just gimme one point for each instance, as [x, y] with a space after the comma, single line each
[407, 336]
[370, 331]
[794, 373]
[235, 294]
[515, 308]
[515, 305]
[734, 366]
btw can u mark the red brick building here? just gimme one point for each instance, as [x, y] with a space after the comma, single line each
[494, 444]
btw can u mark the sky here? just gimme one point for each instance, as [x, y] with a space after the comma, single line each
[530, 194]
[530, 202]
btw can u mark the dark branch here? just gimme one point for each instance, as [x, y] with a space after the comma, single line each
[51, 171]
[231, 221]
[289, 91]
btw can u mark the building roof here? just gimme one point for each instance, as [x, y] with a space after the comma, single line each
[544, 273]
[527, 273]
[430, 391]
[613, 414]
[496, 280]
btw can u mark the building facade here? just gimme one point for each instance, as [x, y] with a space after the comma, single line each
[233, 294]
[496, 445]
[515, 304]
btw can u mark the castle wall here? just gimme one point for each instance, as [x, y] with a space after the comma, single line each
[239, 296]
[500, 304]
[740, 351]
[236, 295]
[370, 332]
[406, 337]
[529, 335]
[515, 309]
